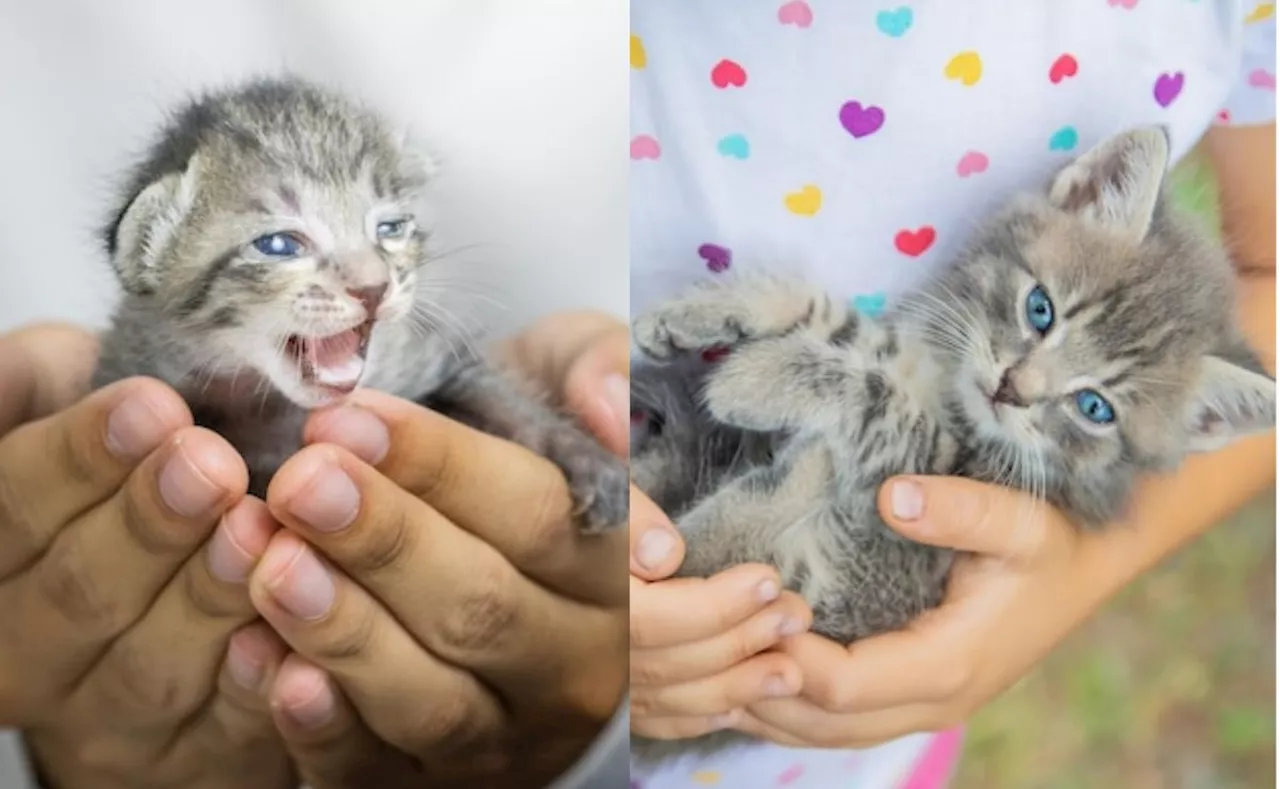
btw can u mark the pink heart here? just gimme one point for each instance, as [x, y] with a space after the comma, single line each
[1261, 78]
[645, 147]
[972, 163]
[796, 13]
[1129, 4]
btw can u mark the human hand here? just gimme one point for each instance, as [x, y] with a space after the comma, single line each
[1028, 580]
[115, 618]
[698, 645]
[444, 630]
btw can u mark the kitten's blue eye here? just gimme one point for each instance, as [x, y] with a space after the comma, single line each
[395, 228]
[1094, 407]
[278, 245]
[1039, 310]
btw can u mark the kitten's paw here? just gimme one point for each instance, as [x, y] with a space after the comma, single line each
[686, 326]
[598, 481]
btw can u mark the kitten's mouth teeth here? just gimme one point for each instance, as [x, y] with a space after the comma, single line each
[334, 362]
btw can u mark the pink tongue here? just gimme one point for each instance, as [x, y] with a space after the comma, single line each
[333, 351]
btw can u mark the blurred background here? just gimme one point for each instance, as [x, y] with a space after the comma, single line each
[1171, 686]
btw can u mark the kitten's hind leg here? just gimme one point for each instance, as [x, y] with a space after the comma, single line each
[725, 312]
[483, 397]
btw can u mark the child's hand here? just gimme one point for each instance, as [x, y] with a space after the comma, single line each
[1031, 579]
[696, 643]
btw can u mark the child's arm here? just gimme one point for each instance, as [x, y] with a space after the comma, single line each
[1037, 579]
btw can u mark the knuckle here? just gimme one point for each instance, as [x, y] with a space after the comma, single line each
[648, 671]
[143, 522]
[136, 684]
[447, 726]
[78, 464]
[347, 637]
[486, 612]
[952, 679]
[65, 582]
[17, 531]
[547, 527]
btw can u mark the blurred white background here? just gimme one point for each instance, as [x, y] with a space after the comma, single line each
[525, 100]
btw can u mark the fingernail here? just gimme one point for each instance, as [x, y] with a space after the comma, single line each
[303, 587]
[243, 667]
[357, 431]
[777, 685]
[767, 591]
[617, 396]
[184, 487]
[654, 548]
[330, 502]
[313, 711]
[906, 500]
[135, 428]
[228, 561]
[791, 626]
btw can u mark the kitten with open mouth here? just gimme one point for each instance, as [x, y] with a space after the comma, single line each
[270, 256]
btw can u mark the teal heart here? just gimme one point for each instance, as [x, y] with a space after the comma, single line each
[872, 304]
[894, 23]
[734, 145]
[1064, 139]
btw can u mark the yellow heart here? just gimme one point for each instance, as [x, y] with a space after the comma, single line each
[638, 58]
[706, 778]
[806, 202]
[1261, 12]
[966, 67]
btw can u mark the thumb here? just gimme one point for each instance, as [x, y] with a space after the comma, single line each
[953, 512]
[598, 389]
[656, 547]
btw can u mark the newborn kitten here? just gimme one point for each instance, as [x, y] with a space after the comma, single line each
[270, 257]
[1086, 337]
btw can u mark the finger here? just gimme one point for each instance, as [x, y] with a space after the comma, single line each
[798, 723]
[339, 627]
[240, 712]
[597, 388]
[454, 593]
[912, 666]
[161, 669]
[684, 610]
[43, 369]
[788, 616]
[102, 572]
[85, 453]
[325, 736]
[771, 675]
[971, 516]
[452, 466]
[684, 727]
[656, 547]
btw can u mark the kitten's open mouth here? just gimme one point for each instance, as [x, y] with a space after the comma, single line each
[335, 362]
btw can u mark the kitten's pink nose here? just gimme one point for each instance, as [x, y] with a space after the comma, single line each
[1007, 392]
[370, 297]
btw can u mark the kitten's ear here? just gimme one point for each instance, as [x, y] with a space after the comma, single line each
[1117, 183]
[147, 226]
[1233, 398]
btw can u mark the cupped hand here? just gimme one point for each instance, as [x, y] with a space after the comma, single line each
[700, 647]
[446, 620]
[117, 605]
[1026, 579]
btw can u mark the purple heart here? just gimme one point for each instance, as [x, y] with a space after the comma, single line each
[718, 258]
[1168, 86]
[861, 121]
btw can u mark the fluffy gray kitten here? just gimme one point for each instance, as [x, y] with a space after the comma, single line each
[1085, 338]
[270, 257]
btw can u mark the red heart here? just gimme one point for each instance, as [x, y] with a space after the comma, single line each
[728, 73]
[1065, 66]
[914, 242]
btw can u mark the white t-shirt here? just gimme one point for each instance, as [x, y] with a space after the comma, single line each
[526, 102]
[859, 142]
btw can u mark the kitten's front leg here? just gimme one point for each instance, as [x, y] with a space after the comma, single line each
[488, 400]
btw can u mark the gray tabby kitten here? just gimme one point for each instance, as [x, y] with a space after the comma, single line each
[1085, 338]
[270, 257]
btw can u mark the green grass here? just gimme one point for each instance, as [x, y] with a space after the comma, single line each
[1172, 686]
